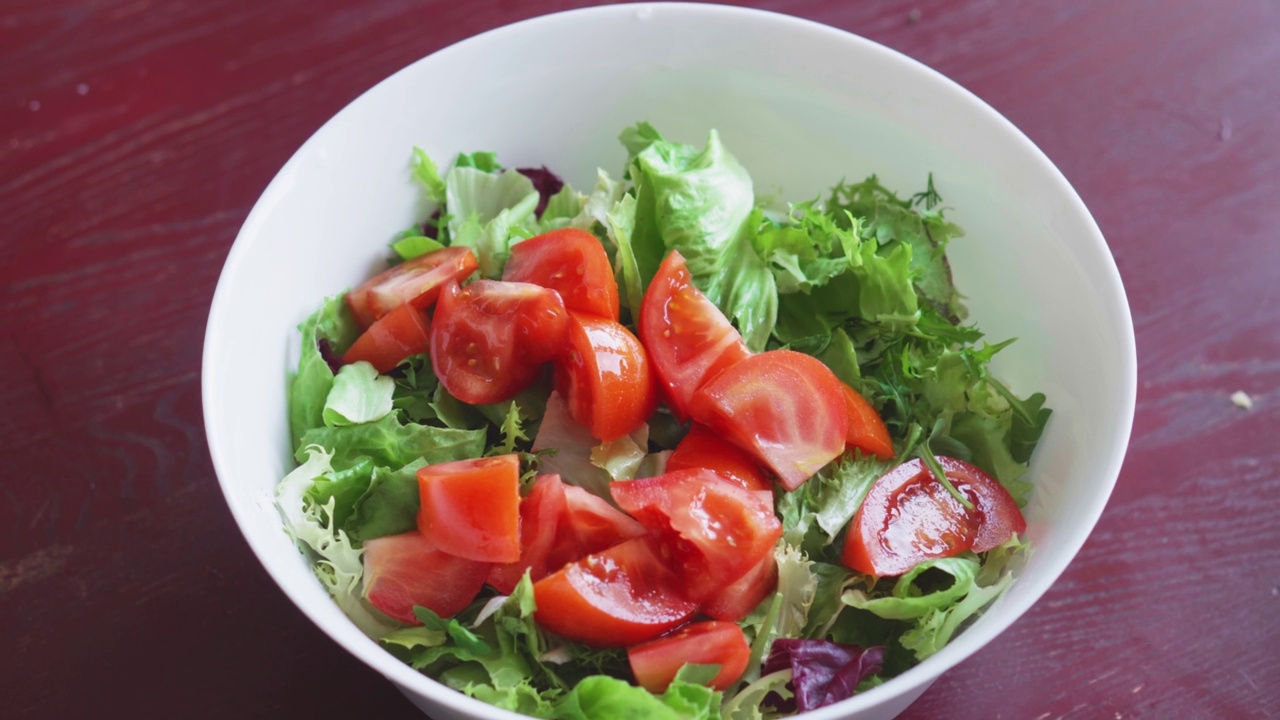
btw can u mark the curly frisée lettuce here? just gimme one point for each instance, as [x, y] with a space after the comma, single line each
[858, 279]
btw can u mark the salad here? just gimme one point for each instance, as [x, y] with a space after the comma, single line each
[658, 446]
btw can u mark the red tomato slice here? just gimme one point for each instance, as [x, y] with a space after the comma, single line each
[401, 571]
[592, 524]
[689, 340]
[702, 448]
[418, 281]
[614, 598]
[560, 524]
[389, 340]
[713, 530]
[489, 339]
[655, 663]
[866, 430]
[740, 597]
[573, 263]
[542, 514]
[605, 378]
[471, 508]
[784, 407]
[909, 517]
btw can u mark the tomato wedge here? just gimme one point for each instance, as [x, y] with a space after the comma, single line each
[489, 339]
[867, 431]
[417, 281]
[909, 517]
[605, 378]
[656, 662]
[542, 512]
[573, 263]
[783, 407]
[702, 448]
[689, 340]
[560, 524]
[713, 530]
[471, 508]
[391, 339]
[614, 598]
[740, 597]
[404, 570]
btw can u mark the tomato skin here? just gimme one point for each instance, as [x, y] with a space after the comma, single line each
[489, 339]
[743, 595]
[614, 598]
[391, 339]
[560, 524]
[702, 448]
[783, 407]
[471, 508]
[542, 513]
[689, 340]
[417, 281]
[867, 431]
[713, 530]
[656, 662]
[574, 264]
[404, 570]
[909, 517]
[605, 377]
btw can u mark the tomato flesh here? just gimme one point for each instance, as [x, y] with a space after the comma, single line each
[614, 598]
[909, 517]
[743, 595]
[702, 448]
[574, 264]
[592, 524]
[656, 662]
[542, 513]
[471, 508]
[867, 431]
[489, 339]
[689, 340]
[391, 339]
[404, 570]
[713, 530]
[783, 407]
[417, 281]
[605, 378]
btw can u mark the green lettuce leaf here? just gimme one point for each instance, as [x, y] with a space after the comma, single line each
[389, 504]
[815, 513]
[488, 212]
[701, 203]
[599, 696]
[428, 175]
[390, 444]
[358, 395]
[309, 388]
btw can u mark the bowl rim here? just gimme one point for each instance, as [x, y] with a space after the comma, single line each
[916, 679]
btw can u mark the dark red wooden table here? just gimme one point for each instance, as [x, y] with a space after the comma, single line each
[135, 135]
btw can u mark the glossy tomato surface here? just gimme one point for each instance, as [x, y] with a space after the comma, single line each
[736, 600]
[689, 340]
[614, 598]
[785, 408]
[490, 339]
[713, 529]
[417, 281]
[908, 517]
[703, 448]
[471, 508]
[391, 339]
[542, 513]
[574, 264]
[656, 662]
[867, 431]
[404, 570]
[605, 377]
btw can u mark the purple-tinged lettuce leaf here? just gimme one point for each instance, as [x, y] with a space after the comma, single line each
[822, 672]
[547, 184]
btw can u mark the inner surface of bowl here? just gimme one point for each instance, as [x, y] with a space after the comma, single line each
[801, 106]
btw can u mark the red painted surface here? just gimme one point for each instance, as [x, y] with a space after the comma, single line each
[135, 136]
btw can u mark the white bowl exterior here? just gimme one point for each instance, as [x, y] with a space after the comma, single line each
[801, 105]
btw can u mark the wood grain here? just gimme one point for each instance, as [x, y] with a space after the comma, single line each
[135, 135]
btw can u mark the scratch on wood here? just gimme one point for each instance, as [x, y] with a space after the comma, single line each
[33, 568]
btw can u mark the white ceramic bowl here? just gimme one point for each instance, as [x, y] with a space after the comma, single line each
[801, 105]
